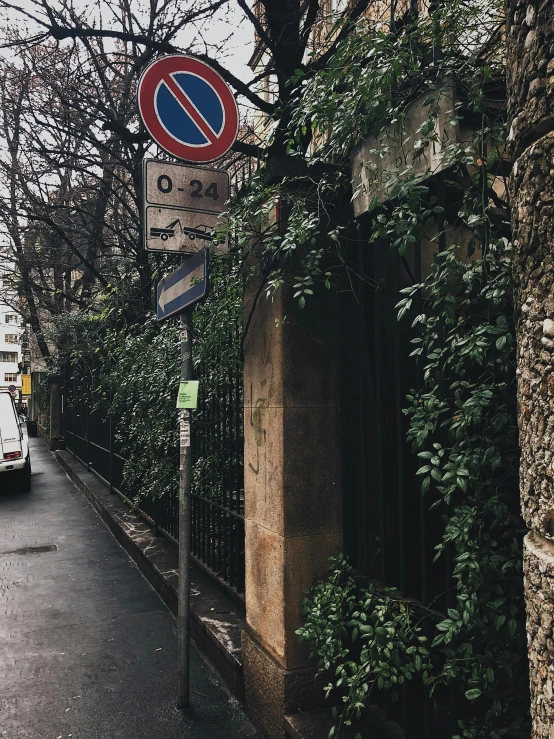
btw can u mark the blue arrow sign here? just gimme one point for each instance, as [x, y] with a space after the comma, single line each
[184, 287]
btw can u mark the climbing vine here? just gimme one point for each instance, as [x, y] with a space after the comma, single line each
[463, 429]
[131, 371]
[448, 64]
[367, 637]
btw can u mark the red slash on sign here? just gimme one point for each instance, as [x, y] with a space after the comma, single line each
[191, 109]
[188, 108]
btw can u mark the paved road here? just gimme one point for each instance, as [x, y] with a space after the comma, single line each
[87, 649]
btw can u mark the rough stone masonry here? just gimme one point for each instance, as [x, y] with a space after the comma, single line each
[530, 38]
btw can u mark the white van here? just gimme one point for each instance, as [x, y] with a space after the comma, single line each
[15, 461]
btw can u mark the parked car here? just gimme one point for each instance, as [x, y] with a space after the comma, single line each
[15, 460]
[199, 232]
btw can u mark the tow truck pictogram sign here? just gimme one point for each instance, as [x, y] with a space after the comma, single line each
[200, 231]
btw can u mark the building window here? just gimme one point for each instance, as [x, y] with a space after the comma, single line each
[12, 318]
[10, 377]
[8, 356]
[11, 339]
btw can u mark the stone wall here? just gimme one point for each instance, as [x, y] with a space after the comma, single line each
[530, 37]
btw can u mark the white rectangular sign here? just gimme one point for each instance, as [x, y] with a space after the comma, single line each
[182, 207]
[182, 186]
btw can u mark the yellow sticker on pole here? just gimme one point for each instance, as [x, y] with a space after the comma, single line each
[188, 394]
[25, 384]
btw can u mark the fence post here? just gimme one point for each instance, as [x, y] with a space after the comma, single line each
[62, 405]
[111, 434]
[87, 430]
[156, 513]
[74, 399]
[293, 500]
[54, 430]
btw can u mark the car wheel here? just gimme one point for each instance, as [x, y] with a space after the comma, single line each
[26, 477]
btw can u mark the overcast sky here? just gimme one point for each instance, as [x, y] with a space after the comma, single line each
[229, 26]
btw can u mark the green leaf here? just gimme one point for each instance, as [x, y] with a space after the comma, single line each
[373, 203]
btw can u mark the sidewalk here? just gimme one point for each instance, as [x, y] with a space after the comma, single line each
[87, 649]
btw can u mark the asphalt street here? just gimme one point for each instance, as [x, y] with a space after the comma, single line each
[87, 649]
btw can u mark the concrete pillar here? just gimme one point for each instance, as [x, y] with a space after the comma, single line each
[292, 494]
[54, 412]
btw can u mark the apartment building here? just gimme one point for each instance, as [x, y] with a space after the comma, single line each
[12, 331]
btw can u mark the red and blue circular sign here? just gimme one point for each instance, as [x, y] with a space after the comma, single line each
[188, 109]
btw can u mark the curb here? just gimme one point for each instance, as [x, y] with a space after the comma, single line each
[217, 620]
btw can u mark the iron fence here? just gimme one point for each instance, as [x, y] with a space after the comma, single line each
[93, 436]
[390, 531]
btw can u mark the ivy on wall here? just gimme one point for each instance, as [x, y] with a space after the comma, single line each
[131, 370]
[462, 423]
[463, 428]
[366, 637]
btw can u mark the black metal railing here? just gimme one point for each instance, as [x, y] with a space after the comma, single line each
[218, 489]
[90, 433]
[390, 532]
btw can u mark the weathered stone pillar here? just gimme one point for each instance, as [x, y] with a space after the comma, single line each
[54, 412]
[292, 494]
[531, 139]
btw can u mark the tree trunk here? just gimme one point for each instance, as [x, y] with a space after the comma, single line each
[531, 140]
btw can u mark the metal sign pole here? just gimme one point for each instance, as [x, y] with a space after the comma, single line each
[183, 615]
[181, 205]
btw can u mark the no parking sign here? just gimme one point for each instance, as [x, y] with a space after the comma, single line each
[188, 109]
